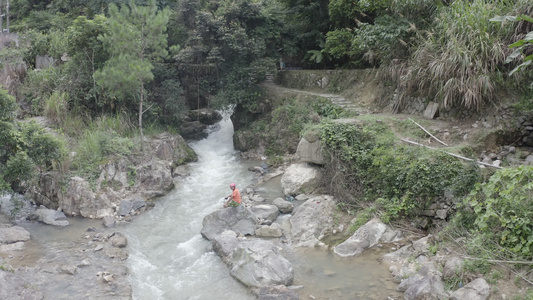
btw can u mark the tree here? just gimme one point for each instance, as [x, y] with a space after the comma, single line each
[136, 38]
[87, 54]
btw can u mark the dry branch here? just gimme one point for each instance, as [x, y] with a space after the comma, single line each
[452, 154]
[428, 132]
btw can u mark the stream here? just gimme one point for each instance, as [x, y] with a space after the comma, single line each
[169, 259]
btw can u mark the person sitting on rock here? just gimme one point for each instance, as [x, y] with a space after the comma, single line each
[235, 198]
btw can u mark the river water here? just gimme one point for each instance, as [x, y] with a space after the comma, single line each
[169, 259]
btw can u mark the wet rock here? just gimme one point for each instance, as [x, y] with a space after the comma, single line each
[256, 263]
[119, 240]
[49, 216]
[125, 207]
[13, 234]
[277, 292]
[238, 219]
[225, 243]
[18, 246]
[109, 221]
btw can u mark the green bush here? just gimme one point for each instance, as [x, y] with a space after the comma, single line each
[501, 210]
[403, 178]
[94, 147]
[19, 169]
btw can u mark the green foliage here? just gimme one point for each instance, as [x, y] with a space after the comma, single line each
[42, 148]
[362, 217]
[87, 54]
[94, 147]
[520, 45]
[39, 86]
[502, 211]
[136, 39]
[404, 178]
[8, 106]
[56, 107]
[18, 170]
[459, 61]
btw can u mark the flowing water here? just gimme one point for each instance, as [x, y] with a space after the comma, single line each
[169, 259]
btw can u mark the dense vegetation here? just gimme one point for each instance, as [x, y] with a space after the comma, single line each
[125, 68]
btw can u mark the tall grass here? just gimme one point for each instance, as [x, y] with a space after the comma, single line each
[56, 107]
[460, 60]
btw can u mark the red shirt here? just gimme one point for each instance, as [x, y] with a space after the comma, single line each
[236, 195]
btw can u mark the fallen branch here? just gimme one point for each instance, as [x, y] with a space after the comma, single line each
[500, 261]
[428, 132]
[452, 154]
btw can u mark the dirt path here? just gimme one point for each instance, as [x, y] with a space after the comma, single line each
[454, 134]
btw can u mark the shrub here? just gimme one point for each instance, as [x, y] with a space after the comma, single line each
[404, 178]
[502, 211]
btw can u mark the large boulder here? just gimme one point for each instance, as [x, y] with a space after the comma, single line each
[363, 238]
[13, 234]
[49, 216]
[256, 263]
[310, 149]
[312, 221]
[238, 219]
[427, 288]
[300, 178]
[79, 199]
[265, 211]
[225, 243]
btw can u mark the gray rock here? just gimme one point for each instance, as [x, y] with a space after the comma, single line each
[119, 240]
[109, 221]
[431, 111]
[277, 292]
[363, 238]
[427, 288]
[256, 263]
[452, 267]
[49, 216]
[312, 221]
[311, 151]
[13, 234]
[478, 289]
[273, 230]
[137, 203]
[125, 207]
[238, 219]
[265, 211]
[298, 178]
[225, 243]
[284, 206]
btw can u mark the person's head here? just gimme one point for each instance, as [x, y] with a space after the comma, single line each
[232, 186]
